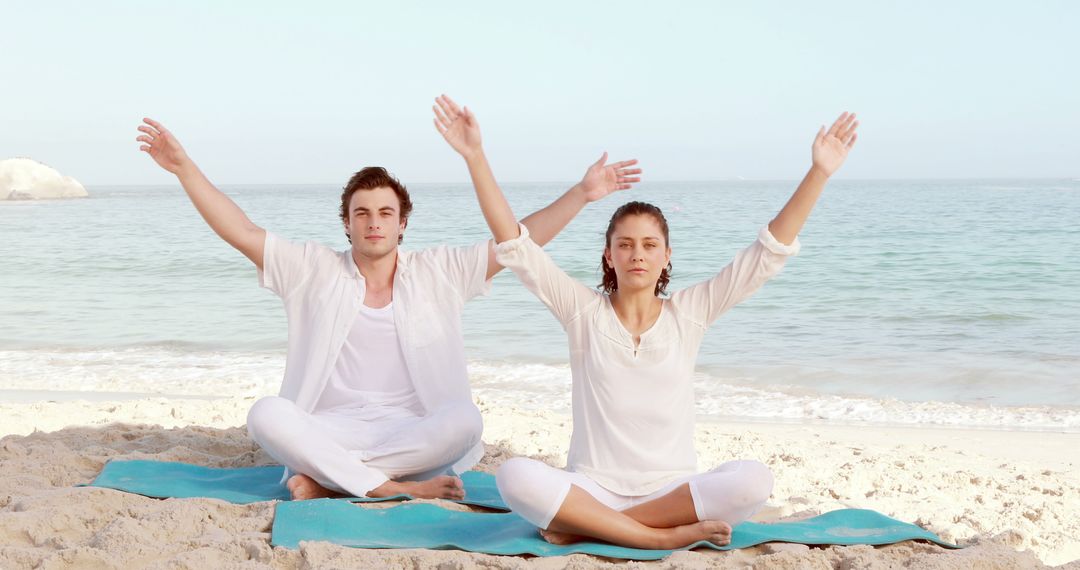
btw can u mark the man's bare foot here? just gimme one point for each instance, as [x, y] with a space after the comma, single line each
[441, 487]
[302, 488]
[561, 538]
[716, 532]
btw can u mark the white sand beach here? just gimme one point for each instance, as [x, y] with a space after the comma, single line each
[1011, 498]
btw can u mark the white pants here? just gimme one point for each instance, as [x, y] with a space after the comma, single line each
[354, 456]
[732, 492]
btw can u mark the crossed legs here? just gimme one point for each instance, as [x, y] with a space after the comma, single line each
[569, 507]
[342, 455]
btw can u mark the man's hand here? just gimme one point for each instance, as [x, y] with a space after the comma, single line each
[600, 180]
[162, 146]
[831, 147]
[458, 126]
[222, 214]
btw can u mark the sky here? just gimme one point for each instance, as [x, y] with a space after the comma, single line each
[307, 93]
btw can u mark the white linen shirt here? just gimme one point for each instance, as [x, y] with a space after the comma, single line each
[633, 408]
[323, 290]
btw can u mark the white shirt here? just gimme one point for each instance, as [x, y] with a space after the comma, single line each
[323, 291]
[370, 380]
[633, 410]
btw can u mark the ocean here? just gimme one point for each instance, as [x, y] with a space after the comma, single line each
[944, 303]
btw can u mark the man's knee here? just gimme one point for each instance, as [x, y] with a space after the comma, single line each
[264, 419]
[463, 423]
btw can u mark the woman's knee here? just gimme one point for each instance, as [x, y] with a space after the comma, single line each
[758, 480]
[517, 477]
[732, 492]
[531, 489]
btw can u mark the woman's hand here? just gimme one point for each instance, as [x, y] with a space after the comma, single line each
[831, 147]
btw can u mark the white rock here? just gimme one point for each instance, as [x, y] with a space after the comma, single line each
[28, 179]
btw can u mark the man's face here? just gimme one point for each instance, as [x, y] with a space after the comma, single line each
[374, 222]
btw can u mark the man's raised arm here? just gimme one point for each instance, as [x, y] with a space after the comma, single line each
[227, 220]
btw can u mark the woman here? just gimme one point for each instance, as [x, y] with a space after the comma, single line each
[631, 476]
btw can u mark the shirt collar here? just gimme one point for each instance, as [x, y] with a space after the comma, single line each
[351, 271]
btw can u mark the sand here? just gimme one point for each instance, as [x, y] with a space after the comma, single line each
[1012, 498]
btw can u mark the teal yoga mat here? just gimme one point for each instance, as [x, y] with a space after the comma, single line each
[424, 525]
[169, 479]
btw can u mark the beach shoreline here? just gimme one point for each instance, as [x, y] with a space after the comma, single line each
[1009, 496]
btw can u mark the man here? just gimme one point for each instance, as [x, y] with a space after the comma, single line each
[375, 399]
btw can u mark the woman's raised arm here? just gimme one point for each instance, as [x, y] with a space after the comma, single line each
[829, 151]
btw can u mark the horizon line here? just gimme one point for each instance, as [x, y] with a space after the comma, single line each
[571, 182]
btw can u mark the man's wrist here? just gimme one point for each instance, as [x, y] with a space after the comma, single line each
[577, 191]
[187, 169]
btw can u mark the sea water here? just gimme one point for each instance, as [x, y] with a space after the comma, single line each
[912, 302]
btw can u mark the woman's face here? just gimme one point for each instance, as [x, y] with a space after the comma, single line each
[638, 252]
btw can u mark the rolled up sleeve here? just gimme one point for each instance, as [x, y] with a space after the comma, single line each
[563, 295]
[704, 302]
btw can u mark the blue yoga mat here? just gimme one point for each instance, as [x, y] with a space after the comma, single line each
[169, 479]
[425, 525]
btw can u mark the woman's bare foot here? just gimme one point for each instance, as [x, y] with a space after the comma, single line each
[561, 538]
[716, 532]
[302, 488]
[441, 487]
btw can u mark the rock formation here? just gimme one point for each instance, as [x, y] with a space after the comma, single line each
[28, 179]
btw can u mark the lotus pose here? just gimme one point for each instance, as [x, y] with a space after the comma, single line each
[375, 400]
[631, 474]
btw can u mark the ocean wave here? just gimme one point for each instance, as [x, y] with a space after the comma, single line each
[731, 394]
[548, 387]
[165, 369]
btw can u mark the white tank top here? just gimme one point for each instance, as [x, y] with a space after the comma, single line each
[370, 379]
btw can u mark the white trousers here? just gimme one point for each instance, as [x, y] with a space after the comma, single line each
[353, 456]
[732, 492]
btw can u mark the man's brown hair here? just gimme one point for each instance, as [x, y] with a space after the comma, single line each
[370, 178]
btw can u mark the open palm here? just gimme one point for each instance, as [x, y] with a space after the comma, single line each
[162, 146]
[831, 147]
[601, 180]
[458, 126]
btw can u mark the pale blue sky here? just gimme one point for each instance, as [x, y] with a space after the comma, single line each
[264, 92]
